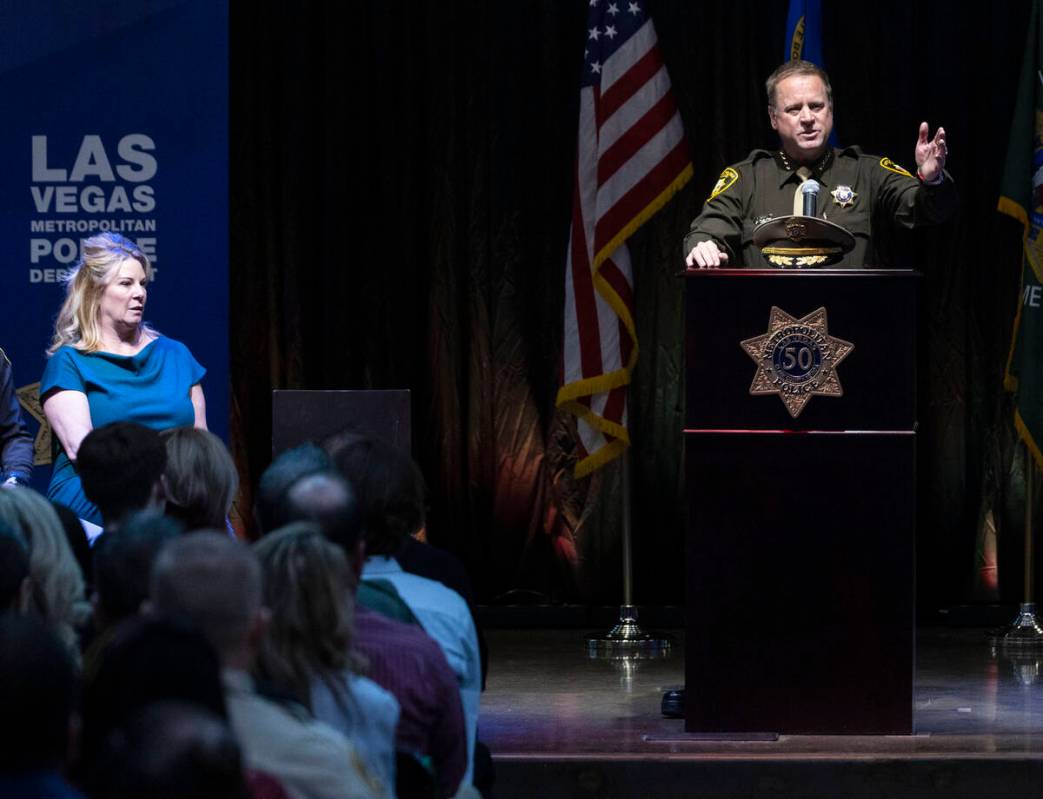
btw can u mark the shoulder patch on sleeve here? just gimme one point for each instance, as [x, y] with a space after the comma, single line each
[727, 179]
[891, 166]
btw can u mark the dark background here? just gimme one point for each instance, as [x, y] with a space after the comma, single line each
[401, 183]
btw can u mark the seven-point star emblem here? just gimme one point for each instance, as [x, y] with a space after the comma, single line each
[797, 359]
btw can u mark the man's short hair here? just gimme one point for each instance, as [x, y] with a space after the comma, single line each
[289, 467]
[37, 693]
[389, 489]
[119, 465]
[211, 581]
[796, 67]
[327, 499]
[123, 563]
[170, 750]
[148, 660]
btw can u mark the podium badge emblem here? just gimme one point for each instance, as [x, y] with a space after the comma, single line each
[797, 359]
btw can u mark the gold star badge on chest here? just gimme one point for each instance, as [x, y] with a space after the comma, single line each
[797, 359]
[844, 196]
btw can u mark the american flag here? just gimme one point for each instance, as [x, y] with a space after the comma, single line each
[631, 158]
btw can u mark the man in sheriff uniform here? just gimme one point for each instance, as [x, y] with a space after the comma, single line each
[859, 192]
[16, 444]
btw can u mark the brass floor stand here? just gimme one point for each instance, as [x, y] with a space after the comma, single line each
[1024, 634]
[626, 640]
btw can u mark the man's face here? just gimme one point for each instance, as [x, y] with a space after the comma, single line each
[802, 116]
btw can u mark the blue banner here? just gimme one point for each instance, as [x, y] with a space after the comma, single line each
[117, 119]
[804, 32]
[804, 38]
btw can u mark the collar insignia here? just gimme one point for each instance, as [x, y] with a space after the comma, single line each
[818, 167]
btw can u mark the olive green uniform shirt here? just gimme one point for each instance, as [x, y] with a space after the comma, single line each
[865, 194]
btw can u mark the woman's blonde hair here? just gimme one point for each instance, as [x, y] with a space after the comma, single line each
[307, 587]
[200, 479]
[77, 322]
[58, 592]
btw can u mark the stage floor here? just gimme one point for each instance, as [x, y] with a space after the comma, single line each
[547, 704]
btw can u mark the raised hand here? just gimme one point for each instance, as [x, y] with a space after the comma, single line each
[931, 154]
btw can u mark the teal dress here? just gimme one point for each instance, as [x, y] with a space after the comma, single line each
[151, 388]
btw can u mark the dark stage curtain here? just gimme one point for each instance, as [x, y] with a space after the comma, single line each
[401, 186]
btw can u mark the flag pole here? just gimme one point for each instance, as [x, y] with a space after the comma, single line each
[1030, 577]
[1025, 633]
[626, 640]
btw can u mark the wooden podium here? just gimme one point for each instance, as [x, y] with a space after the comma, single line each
[800, 545]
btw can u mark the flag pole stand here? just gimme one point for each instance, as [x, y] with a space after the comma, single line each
[627, 640]
[1025, 633]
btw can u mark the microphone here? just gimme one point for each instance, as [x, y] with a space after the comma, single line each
[810, 189]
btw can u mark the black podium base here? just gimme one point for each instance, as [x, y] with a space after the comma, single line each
[800, 582]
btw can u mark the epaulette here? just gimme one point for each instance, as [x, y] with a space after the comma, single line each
[757, 155]
[891, 166]
[883, 162]
[731, 174]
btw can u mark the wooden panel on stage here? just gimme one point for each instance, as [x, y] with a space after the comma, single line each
[300, 416]
[800, 583]
[801, 535]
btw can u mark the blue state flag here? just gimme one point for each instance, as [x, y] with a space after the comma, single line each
[804, 32]
[804, 38]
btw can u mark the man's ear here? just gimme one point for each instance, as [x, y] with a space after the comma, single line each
[771, 118]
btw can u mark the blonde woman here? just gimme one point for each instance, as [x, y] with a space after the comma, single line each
[200, 480]
[107, 365]
[307, 652]
[57, 583]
